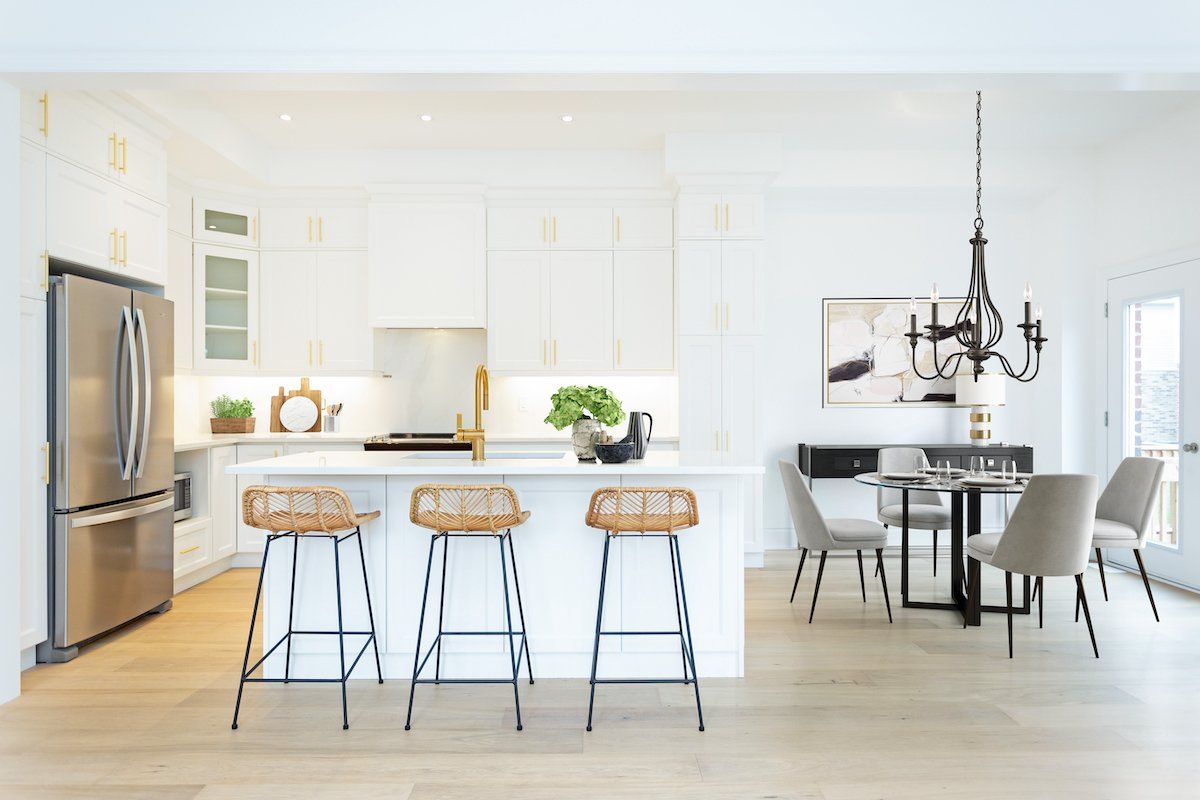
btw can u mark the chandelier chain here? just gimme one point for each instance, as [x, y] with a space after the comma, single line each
[979, 160]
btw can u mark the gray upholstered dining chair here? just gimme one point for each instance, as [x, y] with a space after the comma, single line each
[1048, 535]
[1123, 515]
[815, 533]
[927, 510]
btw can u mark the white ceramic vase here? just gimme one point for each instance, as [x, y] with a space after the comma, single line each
[584, 433]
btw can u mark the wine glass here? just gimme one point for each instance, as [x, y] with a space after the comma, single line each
[920, 462]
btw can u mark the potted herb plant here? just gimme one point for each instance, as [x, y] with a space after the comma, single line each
[585, 409]
[231, 416]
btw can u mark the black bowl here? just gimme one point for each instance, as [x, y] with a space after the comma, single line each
[615, 453]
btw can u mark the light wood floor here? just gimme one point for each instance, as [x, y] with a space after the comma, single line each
[848, 707]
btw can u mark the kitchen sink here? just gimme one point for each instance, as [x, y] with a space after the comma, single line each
[463, 455]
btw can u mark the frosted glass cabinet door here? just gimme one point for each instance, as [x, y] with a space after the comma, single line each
[225, 297]
[224, 223]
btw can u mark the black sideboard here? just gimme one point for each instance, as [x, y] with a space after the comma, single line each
[848, 460]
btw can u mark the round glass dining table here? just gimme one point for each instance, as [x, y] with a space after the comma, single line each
[958, 487]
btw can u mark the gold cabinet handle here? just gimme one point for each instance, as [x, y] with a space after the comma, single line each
[726, 440]
[320, 352]
[618, 227]
[310, 352]
[716, 440]
[191, 549]
[254, 352]
[124, 248]
[112, 259]
[727, 316]
[45, 270]
[45, 101]
[555, 349]
[254, 228]
[46, 463]
[544, 362]
[320, 229]
[554, 229]
[124, 156]
[112, 151]
[727, 216]
[543, 229]
[716, 316]
[310, 229]
[618, 352]
[716, 216]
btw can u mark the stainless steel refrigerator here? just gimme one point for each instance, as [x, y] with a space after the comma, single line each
[112, 406]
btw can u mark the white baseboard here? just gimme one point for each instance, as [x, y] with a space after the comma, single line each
[753, 559]
[185, 582]
[28, 657]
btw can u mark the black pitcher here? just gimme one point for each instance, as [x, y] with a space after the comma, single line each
[639, 432]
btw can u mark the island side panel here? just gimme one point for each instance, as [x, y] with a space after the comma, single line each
[316, 601]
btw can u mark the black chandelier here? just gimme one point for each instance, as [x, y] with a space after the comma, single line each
[978, 326]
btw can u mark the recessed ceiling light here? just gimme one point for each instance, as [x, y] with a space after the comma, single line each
[426, 118]
[567, 118]
[286, 117]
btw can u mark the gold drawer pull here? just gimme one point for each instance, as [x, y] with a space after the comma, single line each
[321, 353]
[555, 352]
[727, 216]
[124, 157]
[716, 216]
[320, 229]
[310, 229]
[45, 101]
[112, 159]
[112, 259]
[191, 549]
[310, 352]
[124, 248]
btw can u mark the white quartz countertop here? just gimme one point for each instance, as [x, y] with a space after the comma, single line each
[203, 441]
[661, 462]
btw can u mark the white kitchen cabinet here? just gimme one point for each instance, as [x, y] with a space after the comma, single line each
[305, 227]
[225, 291]
[287, 315]
[78, 225]
[721, 287]
[518, 228]
[742, 273]
[223, 501]
[179, 209]
[721, 216]
[344, 340]
[34, 472]
[741, 374]
[700, 383]
[141, 162]
[643, 227]
[699, 288]
[220, 222]
[83, 131]
[581, 228]
[34, 115]
[581, 311]
[341, 228]
[251, 540]
[518, 335]
[193, 545]
[179, 291]
[34, 261]
[142, 236]
[643, 309]
[426, 265]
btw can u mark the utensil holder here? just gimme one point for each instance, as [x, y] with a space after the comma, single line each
[332, 423]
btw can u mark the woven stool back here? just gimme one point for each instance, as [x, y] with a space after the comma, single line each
[642, 509]
[486, 508]
[303, 509]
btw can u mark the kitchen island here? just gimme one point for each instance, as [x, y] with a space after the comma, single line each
[558, 560]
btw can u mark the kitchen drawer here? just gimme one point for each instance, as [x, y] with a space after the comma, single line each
[193, 546]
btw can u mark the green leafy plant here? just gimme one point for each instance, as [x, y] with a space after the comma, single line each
[572, 403]
[225, 407]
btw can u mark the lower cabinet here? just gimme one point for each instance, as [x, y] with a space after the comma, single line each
[193, 545]
[251, 540]
[718, 408]
[223, 501]
[33, 468]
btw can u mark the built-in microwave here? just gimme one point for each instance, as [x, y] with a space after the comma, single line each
[183, 495]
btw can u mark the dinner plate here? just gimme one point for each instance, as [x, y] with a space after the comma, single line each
[902, 476]
[943, 471]
[986, 480]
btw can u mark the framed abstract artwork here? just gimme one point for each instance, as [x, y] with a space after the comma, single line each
[867, 359]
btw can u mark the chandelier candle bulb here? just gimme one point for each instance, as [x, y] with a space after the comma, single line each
[1028, 302]
[933, 300]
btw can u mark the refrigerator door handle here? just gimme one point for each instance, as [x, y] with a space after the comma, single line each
[142, 336]
[127, 467]
[125, 513]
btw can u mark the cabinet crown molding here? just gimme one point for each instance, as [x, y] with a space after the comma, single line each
[402, 192]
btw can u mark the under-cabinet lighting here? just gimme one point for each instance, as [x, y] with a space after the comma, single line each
[286, 117]
[567, 118]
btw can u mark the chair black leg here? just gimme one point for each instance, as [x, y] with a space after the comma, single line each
[1103, 581]
[935, 554]
[599, 618]
[970, 599]
[520, 607]
[370, 611]
[799, 569]
[1037, 589]
[337, 580]
[817, 588]
[1077, 606]
[287, 659]
[861, 580]
[883, 580]
[512, 647]
[237, 706]
[679, 611]
[437, 662]
[885, 527]
[687, 625]
[1008, 608]
[412, 689]
[1037, 586]
[1146, 582]
[1087, 615]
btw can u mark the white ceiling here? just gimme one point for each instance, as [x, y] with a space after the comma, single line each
[639, 119]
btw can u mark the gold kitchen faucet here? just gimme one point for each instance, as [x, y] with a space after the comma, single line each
[475, 435]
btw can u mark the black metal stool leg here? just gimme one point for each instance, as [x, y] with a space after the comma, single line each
[687, 621]
[287, 661]
[412, 689]
[679, 613]
[437, 664]
[370, 612]
[337, 580]
[512, 647]
[237, 706]
[599, 618]
[799, 569]
[520, 608]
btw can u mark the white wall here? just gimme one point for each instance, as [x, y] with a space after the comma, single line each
[10, 577]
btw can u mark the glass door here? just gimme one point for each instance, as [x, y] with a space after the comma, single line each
[1153, 376]
[226, 307]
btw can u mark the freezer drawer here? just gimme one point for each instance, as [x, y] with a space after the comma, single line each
[112, 564]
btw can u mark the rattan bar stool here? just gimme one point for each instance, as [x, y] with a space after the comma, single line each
[654, 513]
[307, 512]
[464, 512]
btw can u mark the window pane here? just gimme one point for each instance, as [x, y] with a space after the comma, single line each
[1151, 421]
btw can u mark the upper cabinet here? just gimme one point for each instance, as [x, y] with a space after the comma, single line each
[426, 265]
[643, 227]
[578, 228]
[721, 216]
[35, 264]
[225, 303]
[179, 291]
[224, 223]
[581, 228]
[301, 228]
[721, 288]
[643, 309]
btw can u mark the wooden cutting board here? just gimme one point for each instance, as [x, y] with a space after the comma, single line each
[305, 390]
